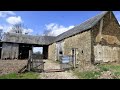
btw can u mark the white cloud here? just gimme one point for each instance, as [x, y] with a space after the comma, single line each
[56, 29]
[14, 20]
[6, 13]
[7, 28]
[1, 27]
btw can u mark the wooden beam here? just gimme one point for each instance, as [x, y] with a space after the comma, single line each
[101, 26]
[29, 60]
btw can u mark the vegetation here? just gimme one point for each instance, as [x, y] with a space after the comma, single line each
[27, 75]
[114, 68]
[87, 74]
[94, 74]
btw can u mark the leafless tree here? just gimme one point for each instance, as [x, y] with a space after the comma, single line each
[17, 28]
[46, 32]
[1, 34]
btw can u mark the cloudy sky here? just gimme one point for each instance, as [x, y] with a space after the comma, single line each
[55, 22]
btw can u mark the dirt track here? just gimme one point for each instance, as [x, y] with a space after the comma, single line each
[50, 65]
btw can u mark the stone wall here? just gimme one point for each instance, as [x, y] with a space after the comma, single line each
[106, 54]
[81, 41]
[106, 39]
[52, 51]
[11, 66]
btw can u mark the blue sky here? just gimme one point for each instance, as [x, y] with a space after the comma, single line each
[38, 21]
[56, 22]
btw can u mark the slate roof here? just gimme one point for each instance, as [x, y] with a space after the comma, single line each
[28, 39]
[82, 27]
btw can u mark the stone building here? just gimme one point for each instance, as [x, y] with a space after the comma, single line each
[96, 40]
[17, 46]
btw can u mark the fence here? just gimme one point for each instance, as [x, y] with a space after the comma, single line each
[66, 62]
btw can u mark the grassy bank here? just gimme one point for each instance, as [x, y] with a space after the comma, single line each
[95, 74]
[87, 74]
[27, 75]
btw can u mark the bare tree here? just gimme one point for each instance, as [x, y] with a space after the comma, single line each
[46, 32]
[1, 34]
[17, 28]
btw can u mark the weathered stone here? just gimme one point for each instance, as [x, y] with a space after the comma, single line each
[106, 41]
[99, 44]
[52, 51]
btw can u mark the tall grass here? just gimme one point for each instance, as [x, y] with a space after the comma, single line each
[115, 69]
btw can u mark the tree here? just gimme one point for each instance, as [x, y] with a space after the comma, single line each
[46, 32]
[1, 34]
[17, 28]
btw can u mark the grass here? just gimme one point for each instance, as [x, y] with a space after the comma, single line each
[115, 69]
[87, 74]
[27, 75]
[106, 67]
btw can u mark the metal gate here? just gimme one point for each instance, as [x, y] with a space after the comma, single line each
[35, 64]
[68, 61]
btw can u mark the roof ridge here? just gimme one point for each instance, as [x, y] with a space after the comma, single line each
[103, 12]
[83, 26]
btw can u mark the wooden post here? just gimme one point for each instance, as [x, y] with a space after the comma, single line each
[101, 27]
[74, 57]
[32, 57]
[29, 60]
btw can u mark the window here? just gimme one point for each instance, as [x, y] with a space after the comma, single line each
[60, 52]
[82, 51]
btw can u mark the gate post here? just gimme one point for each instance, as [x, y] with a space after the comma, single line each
[29, 60]
[74, 57]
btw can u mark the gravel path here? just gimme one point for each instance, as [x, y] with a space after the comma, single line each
[55, 75]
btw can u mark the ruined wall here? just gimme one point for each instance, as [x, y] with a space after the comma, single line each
[106, 39]
[81, 41]
[52, 51]
[10, 51]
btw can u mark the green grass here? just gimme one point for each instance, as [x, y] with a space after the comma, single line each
[115, 69]
[27, 75]
[87, 74]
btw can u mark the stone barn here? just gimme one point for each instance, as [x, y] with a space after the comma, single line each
[97, 40]
[17, 46]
